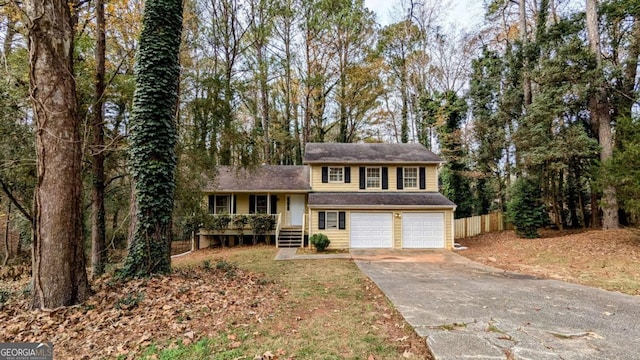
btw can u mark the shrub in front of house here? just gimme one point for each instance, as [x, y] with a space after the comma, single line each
[320, 241]
[261, 224]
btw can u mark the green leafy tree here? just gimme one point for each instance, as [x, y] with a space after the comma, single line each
[451, 110]
[525, 209]
[153, 138]
[490, 129]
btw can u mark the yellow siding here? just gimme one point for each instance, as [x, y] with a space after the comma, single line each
[339, 238]
[448, 226]
[397, 231]
[432, 178]
[242, 203]
[317, 185]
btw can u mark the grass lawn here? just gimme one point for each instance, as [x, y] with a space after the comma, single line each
[328, 310]
[232, 303]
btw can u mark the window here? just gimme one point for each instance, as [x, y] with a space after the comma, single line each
[222, 205]
[219, 204]
[410, 178]
[373, 178]
[332, 219]
[261, 204]
[335, 174]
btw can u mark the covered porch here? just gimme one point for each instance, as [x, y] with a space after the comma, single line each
[266, 201]
[241, 218]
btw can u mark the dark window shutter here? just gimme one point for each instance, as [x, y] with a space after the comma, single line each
[274, 207]
[347, 175]
[321, 222]
[325, 174]
[234, 203]
[363, 180]
[212, 204]
[252, 204]
[341, 220]
[399, 178]
[423, 182]
[385, 178]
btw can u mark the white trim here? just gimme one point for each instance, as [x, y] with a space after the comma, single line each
[341, 181]
[404, 178]
[366, 178]
[371, 207]
[372, 161]
[256, 191]
[326, 220]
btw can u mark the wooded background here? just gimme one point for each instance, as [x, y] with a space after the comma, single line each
[544, 90]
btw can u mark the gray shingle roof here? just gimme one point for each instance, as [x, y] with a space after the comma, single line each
[379, 199]
[261, 178]
[340, 153]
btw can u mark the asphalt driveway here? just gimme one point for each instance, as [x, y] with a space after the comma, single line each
[466, 310]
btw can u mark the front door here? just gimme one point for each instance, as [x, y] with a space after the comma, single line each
[296, 209]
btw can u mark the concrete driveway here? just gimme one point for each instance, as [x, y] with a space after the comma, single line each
[466, 310]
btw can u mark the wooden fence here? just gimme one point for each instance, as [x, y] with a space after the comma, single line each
[477, 225]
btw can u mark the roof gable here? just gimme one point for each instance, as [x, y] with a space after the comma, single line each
[369, 153]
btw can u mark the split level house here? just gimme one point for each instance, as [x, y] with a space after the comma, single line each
[359, 195]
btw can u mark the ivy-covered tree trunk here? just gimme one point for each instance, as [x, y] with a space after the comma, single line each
[59, 274]
[153, 138]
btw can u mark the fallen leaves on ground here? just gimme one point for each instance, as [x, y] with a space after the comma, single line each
[600, 258]
[121, 318]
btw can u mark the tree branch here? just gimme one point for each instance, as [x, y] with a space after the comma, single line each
[15, 201]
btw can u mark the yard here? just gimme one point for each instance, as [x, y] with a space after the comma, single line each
[237, 303]
[233, 303]
[604, 259]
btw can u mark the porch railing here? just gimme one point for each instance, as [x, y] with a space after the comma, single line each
[276, 218]
[304, 221]
[278, 225]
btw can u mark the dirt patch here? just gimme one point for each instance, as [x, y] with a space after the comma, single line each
[604, 259]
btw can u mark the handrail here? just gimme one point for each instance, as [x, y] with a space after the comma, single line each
[304, 218]
[278, 228]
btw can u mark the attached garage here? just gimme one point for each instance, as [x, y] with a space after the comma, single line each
[424, 230]
[371, 230]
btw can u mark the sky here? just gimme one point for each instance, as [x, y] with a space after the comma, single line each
[463, 13]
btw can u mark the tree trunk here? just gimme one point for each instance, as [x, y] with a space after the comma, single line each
[7, 253]
[59, 275]
[526, 79]
[153, 138]
[264, 97]
[599, 109]
[9, 35]
[98, 233]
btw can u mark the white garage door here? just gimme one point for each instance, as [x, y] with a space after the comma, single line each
[371, 230]
[423, 230]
